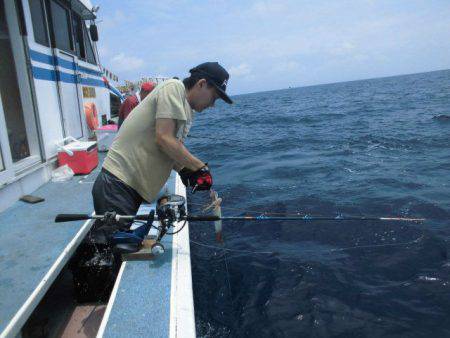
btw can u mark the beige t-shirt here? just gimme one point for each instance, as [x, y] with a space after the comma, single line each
[134, 157]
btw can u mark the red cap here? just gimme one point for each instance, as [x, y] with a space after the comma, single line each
[147, 86]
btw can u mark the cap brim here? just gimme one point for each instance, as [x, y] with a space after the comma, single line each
[222, 94]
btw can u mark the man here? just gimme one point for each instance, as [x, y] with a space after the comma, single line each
[148, 146]
[150, 143]
[133, 100]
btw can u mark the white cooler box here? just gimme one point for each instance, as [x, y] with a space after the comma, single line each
[105, 136]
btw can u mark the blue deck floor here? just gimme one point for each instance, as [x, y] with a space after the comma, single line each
[142, 304]
[154, 298]
[31, 244]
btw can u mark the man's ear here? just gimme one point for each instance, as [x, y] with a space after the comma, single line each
[202, 82]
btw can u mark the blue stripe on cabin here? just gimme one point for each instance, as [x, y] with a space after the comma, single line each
[54, 75]
[50, 60]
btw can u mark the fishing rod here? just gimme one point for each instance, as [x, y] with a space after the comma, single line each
[299, 218]
[212, 218]
[171, 209]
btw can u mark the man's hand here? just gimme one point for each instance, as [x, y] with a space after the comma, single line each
[198, 180]
[185, 173]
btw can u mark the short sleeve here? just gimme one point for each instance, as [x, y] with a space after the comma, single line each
[170, 102]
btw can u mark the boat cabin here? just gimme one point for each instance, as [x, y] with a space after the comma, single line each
[52, 87]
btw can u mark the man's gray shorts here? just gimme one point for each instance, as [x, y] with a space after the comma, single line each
[111, 194]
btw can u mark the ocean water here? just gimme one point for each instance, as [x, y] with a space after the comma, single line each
[376, 147]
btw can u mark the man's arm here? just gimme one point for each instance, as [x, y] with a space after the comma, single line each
[177, 167]
[175, 149]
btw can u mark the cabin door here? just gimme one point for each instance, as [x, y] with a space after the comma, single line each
[19, 143]
[69, 93]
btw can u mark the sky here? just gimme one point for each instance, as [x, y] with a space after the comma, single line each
[268, 45]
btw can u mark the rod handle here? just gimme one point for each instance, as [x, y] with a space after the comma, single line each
[71, 217]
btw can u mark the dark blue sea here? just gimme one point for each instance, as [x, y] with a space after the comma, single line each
[376, 147]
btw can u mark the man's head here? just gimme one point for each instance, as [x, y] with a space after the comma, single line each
[207, 83]
[146, 88]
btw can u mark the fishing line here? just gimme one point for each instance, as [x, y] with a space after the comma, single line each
[177, 231]
[295, 213]
[231, 250]
[228, 276]
[369, 246]
[250, 211]
[417, 240]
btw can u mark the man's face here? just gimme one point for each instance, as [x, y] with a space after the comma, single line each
[205, 97]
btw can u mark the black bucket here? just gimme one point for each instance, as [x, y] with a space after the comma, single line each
[94, 268]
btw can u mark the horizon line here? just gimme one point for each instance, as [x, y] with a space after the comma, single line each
[330, 83]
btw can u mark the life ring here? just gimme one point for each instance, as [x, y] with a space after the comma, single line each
[91, 115]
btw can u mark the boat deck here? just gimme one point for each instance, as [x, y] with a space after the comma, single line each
[150, 298]
[34, 249]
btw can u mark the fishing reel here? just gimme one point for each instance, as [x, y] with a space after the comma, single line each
[170, 209]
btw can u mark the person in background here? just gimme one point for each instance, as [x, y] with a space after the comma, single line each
[133, 100]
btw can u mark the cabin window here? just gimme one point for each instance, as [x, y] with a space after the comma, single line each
[78, 34]
[10, 95]
[39, 23]
[61, 26]
[89, 51]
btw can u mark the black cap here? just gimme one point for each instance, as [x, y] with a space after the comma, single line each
[216, 75]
